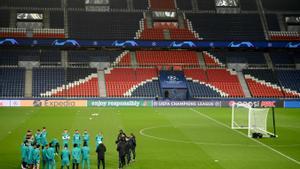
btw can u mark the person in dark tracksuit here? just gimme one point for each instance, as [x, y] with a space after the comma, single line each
[101, 149]
[127, 151]
[120, 135]
[121, 148]
[132, 143]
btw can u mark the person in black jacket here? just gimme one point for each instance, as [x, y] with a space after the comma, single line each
[101, 149]
[121, 148]
[120, 135]
[132, 143]
[127, 151]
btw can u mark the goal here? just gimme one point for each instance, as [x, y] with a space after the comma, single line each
[255, 120]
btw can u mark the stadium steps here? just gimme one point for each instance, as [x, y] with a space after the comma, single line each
[133, 59]
[149, 21]
[167, 35]
[268, 60]
[101, 83]
[243, 84]
[64, 58]
[201, 60]
[28, 83]
[263, 19]
[181, 21]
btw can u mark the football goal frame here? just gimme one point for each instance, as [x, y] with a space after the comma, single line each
[255, 120]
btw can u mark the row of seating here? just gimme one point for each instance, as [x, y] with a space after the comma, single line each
[222, 79]
[138, 82]
[227, 26]
[266, 83]
[12, 82]
[121, 80]
[96, 25]
[288, 5]
[147, 89]
[162, 5]
[60, 81]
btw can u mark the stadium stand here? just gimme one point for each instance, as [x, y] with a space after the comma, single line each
[248, 5]
[222, 80]
[184, 4]
[197, 89]
[58, 82]
[126, 76]
[226, 81]
[46, 79]
[12, 82]
[162, 58]
[290, 79]
[287, 5]
[7, 58]
[76, 4]
[213, 61]
[80, 82]
[56, 19]
[239, 57]
[50, 57]
[32, 3]
[103, 25]
[272, 21]
[4, 14]
[162, 5]
[230, 26]
[283, 35]
[118, 4]
[121, 80]
[282, 59]
[149, 88]
[206, 4]
[264, 83]
[140, 4]
[92, 56]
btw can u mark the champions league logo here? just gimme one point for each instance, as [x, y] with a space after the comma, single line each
[172, 78]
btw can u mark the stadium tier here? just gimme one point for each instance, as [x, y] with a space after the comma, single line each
[99, 25]
[150, 88]
[221, 80]
[227, 26]
[265, 83]
[122, 82]
[184, 4]
[12, 82]
[162, 5]
[162, 58]
[59, 82]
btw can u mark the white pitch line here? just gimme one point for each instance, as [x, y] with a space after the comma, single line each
[264, 145]
[142, 132]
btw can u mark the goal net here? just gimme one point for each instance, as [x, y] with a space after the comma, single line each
[255, 120]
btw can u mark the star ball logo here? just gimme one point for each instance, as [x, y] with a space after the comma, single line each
[172, 78]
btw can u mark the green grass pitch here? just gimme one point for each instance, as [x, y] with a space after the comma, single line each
[167, 138]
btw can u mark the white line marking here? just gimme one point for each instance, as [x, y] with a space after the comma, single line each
[142, 132]
[264, 145]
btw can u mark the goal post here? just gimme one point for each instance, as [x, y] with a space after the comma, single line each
[255, 120]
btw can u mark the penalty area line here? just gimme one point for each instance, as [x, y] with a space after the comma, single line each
[262, 144]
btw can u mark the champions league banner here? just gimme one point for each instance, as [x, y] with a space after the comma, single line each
[172, 80]
[173, 85]
[169, 44]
